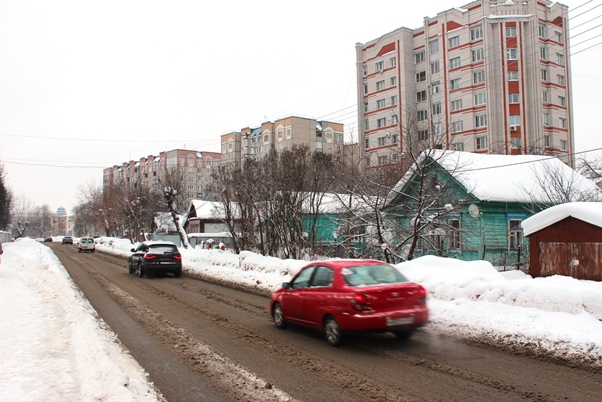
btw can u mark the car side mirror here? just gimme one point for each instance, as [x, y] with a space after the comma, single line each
[286, 285]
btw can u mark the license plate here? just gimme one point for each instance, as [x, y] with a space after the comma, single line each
[391, 322]
[168, 262]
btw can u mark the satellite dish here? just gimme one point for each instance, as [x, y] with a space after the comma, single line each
[473, 210]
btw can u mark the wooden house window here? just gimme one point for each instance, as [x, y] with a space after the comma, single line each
[515, 234]
[454, 235]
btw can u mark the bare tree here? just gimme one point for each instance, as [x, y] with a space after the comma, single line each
[172, 187]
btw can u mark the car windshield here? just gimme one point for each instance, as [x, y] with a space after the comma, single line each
[367, 275]
[162, 249]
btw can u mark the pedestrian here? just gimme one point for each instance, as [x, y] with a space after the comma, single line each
[222, 246]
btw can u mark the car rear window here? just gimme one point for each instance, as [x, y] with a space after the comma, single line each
[162, 249]
[368, 275]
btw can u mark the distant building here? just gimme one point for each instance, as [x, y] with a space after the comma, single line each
[493, 76]
[321, 136]
[196, 166]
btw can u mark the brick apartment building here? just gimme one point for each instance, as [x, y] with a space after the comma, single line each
[322, 136]
[492, 76]
[197, 167]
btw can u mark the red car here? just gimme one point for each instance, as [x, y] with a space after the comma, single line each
[350, 295]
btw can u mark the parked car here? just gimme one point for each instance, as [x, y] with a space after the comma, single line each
[48, 239]
[341, 296]
[67, 240]
[155, 257]
[86, 244]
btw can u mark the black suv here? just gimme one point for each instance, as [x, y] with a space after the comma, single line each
[155, 257]
[67, 240]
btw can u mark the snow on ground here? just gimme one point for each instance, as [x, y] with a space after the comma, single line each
[59, 335]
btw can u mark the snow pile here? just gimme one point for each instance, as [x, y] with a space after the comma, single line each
[52, 345]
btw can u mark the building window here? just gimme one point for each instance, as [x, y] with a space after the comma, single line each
[457, 83]
[435, 87]
[562, 101]
[365, 70]
[542, 53]
[547, 141]
[437, 128]
[458, 146]
[367, 143]
[380, 66]
[423, 135]
[365, 106]
[288, 133]
[511, 32]
[457, 126]
[480, 99]
[419, 57]
[563, 145]
[546, 119]
[516, 142]
[455, 41]
[560, 59]
[436, 108]
[560, 79]
[544, 74]
[393, 81]
[558, 36]
[562, 122]
[456, 105]
[435, 67]
[422, 115]
[476, 33]
[365, 89]
[382, 160]
[392, 61]
[382, 141]
[366, 125]
[515, 234]
[454, 234]
[394, 100]
[478, 55]
[382, 122]
[512, 53]
[367, 160]
[421, 76]
[421, 96]
[545, 96]
[512, 75]
[454, 62]
[513, 98]
[542, 31]
[394, 139]
[480, 120]
[434, 46]
[394, 119]
[481, 143]
[380, 103]
[478, 77]
[380, 85]
[515, 119]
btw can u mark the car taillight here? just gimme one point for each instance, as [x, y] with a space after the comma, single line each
[149, 257]
[421, 296]
[177, 256]
[360, 303]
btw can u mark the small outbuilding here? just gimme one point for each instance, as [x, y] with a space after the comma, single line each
[566, 239]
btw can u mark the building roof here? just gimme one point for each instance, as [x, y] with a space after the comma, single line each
[590, 212]
[504, 178]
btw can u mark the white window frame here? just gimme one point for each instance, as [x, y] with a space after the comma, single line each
[382, 122]
[480, 99]
[380, 85]
[457, 126]
[480, 120]
[481, 143]
[476, 33]
[435, 67]
[511, 32]
[455, 62]
[454, 41]
[511, 53]
[456, 83]
[478, 55]
[513, 75]
[419, 57]
[514, 97]
[456, 104]
[478, 77]
[434, 46]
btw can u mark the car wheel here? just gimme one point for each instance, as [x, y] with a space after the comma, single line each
[333, 333]
[79, 250]
[130, 268]
[404, 334]
[93, 251]
[278, 316]
[177, 273]
[140, 271]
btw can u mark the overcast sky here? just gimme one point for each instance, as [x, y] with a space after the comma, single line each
[85, 85]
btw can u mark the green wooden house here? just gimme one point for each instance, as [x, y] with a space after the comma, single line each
[470, 206]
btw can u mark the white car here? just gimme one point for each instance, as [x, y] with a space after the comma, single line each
[86, 244]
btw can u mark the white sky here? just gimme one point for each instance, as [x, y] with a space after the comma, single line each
[85, 85]
[58, 336]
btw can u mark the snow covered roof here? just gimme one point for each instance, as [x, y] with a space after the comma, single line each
[209, 209]
[590, 212]
[503, 178]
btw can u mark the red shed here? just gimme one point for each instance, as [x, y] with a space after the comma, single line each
[566, 240]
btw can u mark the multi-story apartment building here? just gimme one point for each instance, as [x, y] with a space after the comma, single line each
[322, 136]
[492, 76]
[196, 168]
